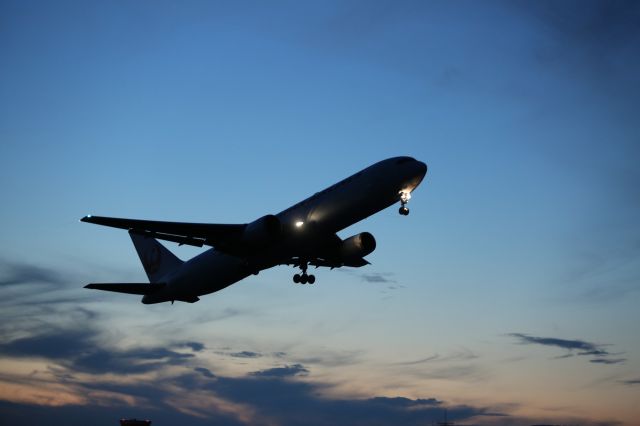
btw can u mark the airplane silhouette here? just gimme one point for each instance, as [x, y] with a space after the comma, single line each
[302, 235]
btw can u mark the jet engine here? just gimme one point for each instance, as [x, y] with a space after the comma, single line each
[262, 232]
[353, 249]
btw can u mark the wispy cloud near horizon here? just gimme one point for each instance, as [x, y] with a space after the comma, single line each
[582, 347]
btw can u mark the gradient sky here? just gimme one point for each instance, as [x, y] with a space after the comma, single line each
[509, 296]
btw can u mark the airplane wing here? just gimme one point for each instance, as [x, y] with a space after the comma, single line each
[130, 288]
[195, 234]
[319, 262]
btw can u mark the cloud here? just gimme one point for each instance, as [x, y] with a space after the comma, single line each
[132, 361]
[245, 354]
[79, 350]
[456, 366]
[583, 347]
[378, 277]
[631, 382]
[263, 400]
[608, 361]
[405, 402]
[54, 344]
[18, 273]
[384, 278]
[560, 343]
[331, 358]
[29, 292]
[290, 401]
[271, 396]
[205, 372]
[468, 373]
[435, 357]
[87, 373]
[88, 376]
[195, 346]
[463, 355]
[77, 415]
[286, 371]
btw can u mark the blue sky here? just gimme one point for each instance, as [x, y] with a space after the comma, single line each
[509, 295]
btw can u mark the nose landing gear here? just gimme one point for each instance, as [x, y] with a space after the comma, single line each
[304, 278]
[405, 196]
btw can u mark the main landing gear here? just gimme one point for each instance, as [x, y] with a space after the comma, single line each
[304, 278]
[405, 196]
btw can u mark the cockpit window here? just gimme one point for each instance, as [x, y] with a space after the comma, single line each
[403, 160]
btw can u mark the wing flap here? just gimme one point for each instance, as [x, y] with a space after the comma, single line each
[129, 288]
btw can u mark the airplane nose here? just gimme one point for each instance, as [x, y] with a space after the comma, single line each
[422, 168]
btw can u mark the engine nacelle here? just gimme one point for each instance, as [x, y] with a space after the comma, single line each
[356, 247]
[262, 232]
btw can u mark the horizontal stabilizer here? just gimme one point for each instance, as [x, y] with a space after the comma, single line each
[130, 288]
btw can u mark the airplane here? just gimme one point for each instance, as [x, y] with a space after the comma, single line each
[303, 235]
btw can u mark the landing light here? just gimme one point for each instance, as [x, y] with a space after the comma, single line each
[405, 195]
[299, 224]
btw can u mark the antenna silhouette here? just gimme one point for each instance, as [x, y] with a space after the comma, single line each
[446, 423]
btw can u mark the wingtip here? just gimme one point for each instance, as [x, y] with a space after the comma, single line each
[86, 218]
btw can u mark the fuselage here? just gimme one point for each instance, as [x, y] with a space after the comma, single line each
[305, 226]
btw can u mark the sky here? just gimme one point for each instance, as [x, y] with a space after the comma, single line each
[509, 295]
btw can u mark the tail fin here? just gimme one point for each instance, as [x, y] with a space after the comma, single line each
[156, 259]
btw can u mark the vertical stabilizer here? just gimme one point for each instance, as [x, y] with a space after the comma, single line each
[156, 259]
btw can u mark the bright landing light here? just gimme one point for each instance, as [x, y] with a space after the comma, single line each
[299, 224]
[405, 195]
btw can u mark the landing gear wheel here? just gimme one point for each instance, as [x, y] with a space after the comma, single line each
[404, 211]
[304, 278]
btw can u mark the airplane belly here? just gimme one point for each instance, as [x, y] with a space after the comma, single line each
[207, 273]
